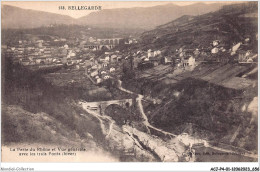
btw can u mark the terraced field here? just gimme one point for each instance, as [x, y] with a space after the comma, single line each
[226, 75]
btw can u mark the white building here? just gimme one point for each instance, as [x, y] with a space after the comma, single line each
[66, 46]
[215, 43]
[150, 53]
[103, 72]
[235, 48]
[95, 73]
[191, 61]
[214, 50]
[106, 77]
[112, 69]
[99, 80]
[91, 39]
[156, 53]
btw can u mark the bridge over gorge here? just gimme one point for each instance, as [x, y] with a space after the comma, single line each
[110, 41]
[99, 47]
[102, 105]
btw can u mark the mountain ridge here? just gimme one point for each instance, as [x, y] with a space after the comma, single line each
[230, 24]
[146, 18]
[15, 17]
[136, 17]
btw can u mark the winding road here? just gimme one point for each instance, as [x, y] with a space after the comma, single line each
[100, 118]
[185, 139]
[180, 138]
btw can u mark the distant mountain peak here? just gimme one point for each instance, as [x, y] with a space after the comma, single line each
[15, 17]
[145, 17]
[231, 24]
[130, 18]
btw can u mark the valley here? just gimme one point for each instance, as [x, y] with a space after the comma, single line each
[183, 91]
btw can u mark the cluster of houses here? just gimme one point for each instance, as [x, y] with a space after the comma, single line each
[240, 52]
[42, 53]
[181, 58]
[108, 65]
[217, 51]
[186, 57]
[60, 51]
[55, 52]
[104, 67]
[244, 53]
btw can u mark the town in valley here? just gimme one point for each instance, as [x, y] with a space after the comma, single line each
[183, 91]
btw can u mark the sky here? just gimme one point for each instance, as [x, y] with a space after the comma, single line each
[54, 6]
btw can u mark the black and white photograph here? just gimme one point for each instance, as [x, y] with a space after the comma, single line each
[158, 81]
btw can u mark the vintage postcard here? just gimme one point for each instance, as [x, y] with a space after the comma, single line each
[129, 81]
